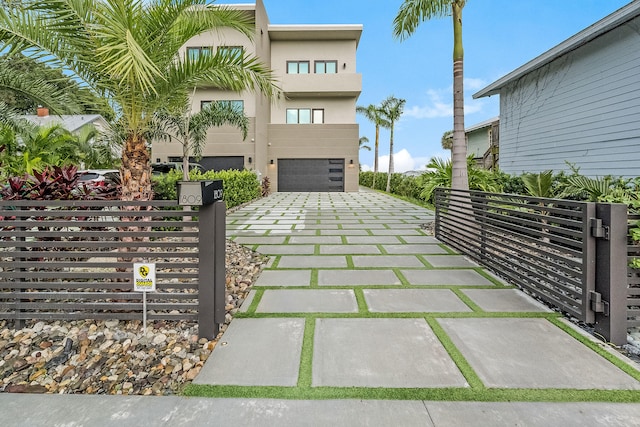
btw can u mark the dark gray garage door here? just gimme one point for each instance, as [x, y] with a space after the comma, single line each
[310, 174]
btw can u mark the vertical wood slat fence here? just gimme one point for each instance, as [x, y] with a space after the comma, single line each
[545, 246]
[73, 260]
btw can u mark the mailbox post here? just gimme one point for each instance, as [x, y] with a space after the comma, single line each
[211, 251]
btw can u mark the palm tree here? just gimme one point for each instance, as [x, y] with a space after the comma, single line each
[374, 114]
[447, 140]
[410, 15]
[191, 130]
[392, 109]
[128, 52]
[362, 143]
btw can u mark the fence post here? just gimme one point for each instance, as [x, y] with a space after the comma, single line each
[211, 269]
[610, 298]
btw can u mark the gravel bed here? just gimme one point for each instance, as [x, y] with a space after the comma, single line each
[117, 357]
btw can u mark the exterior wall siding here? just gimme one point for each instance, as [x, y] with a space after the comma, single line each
[582, 108]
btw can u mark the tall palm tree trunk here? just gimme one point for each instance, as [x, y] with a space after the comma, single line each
[391, 168]
[375, 159]
[459, 179]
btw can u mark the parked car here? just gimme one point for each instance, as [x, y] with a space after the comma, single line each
[99, 177]
[166, 167]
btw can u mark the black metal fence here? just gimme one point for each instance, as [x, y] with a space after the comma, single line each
[74, 259]
[633, 274]
[566, 253]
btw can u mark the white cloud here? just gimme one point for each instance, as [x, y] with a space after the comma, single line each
[437, 107]
[403, 161]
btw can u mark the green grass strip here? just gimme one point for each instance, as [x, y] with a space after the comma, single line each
[306, 357]
[254, 303]
[468, 301]
[405, 315]
[621, 364]
[461, 362]
[314, 278]
[363, 309]
[433, 394]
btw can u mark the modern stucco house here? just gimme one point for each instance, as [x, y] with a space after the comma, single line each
[579, 102]
[308, 139]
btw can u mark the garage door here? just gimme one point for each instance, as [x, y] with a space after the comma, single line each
[310, 175]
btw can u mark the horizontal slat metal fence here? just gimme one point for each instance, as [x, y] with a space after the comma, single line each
[633, 284]
[74, 259]
[540, 245]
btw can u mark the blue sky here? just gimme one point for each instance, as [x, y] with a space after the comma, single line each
[498, 36]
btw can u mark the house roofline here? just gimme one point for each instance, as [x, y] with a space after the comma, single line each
[608, 23]
[316, 32]
[484, 124]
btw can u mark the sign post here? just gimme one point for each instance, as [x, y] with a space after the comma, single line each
[144, 280]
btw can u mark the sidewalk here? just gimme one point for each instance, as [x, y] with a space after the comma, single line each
[362, 319]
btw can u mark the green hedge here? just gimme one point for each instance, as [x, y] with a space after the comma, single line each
[239, 186]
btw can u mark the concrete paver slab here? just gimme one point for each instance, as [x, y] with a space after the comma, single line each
[357, 277]
[446, 277]
[316, 240]
[284, 278]
[259, 352]
[443, 261]
[381, 353]
[260, 240]
[414, 249]
[386, 261]
[309, 261]
[413, 300]
[308, 301]
[247, 302]
[532, 353]
[349, 249]
[533, 414]
[512, 300]
[286, 249]
[372, 240]
[387, 232]
[344, 233]
[419, 239]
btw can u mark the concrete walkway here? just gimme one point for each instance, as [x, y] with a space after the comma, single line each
[357, 301]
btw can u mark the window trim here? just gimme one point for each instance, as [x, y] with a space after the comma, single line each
[312, 116]
[198, 51]
[324, 63]
[298, 66]
[239, 102]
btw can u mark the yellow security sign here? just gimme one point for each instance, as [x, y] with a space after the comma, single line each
[144, 277]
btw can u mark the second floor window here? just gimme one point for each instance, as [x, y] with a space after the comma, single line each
[237, 105]
[233, 51]
[326, 67]
[297, 67]
[305, 115]
[195, 52]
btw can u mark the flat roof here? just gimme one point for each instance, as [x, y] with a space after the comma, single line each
[616, 19]
[316, 32]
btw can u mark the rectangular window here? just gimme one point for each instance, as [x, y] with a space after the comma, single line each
[326, 67]
[233, 51]
[235, 104]
[195, 52]
[304, 115]
[297, 67]
[318, 115]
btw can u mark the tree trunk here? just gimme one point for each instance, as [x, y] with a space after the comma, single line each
[459, 179]
[390, 160]
[136, 170]
[375, 159]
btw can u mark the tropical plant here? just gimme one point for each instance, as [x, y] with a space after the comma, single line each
[410, 15]
[392, 108]
[539, 184]
[191, 130]
[447, 140]
[44, 146]
[439, 174]
[375, 115]
[128, 51]
[362, 143]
